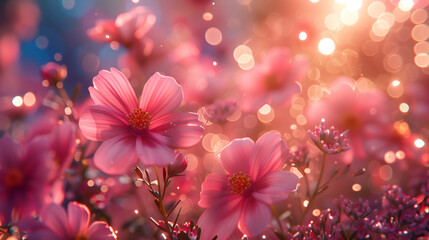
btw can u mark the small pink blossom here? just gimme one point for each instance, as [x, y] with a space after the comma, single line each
[71, 225]
[178, 166]
[253, 180]
[329, 140]
[53, 72]
[133, 130]
[273, 81]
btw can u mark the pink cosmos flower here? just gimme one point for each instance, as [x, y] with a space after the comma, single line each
[127, 29]
[133, 130]
[273, 81]
[252, 182]
[74, 224]
[24, 177]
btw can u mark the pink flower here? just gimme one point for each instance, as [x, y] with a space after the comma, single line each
[329, 140]
[24, 177]
[71, 225]
[53, 72]
[127, 29]
[133, 130]
[252, 182]
[273, 81]
[362, 113]
[220, 110]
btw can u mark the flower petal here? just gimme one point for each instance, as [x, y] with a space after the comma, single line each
[78, 216]
[55, 218]
[215, 191]
[254, 218]
[161, 95]
[116, 155]
[235, 157]
[220, 221]
[275, 186]
[100, 231]
[113, 90]
[268, 155]
[182, 129]
[152, 152]
[99, 123]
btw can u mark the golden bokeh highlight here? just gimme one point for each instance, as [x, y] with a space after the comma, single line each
[421, 47]
[356, 187]
[17, 101]
[376, 8]
[395, 89]
[349, 17]
[326, 46]
[213, 36]
[333, 22]
[419, 16]
[404, 108]
[207, 16]
[29, 99]
[406, 5]
[389, 157]
[420, 32]
[422, 60]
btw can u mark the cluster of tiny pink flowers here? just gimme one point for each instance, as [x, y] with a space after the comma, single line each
[329, 140]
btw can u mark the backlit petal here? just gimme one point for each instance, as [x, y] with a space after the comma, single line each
[116, 155]
[113, 90]
[161, 95]
[99, 123]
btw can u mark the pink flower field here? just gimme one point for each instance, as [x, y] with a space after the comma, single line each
[220, 119]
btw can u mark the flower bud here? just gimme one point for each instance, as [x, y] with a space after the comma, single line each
[178, 166]
[53, 73]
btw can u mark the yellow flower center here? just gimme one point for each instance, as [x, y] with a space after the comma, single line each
[13, 178]
[239, 182]
[139, 119]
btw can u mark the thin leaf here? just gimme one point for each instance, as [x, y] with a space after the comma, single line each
[175, 205]
[76, 91]
[177, 217]
[139, 172]
[147, 175]
[157, 224]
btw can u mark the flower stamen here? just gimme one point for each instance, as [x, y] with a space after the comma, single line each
[239, 182]
[139, 119]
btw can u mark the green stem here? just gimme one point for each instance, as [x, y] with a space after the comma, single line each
[315, 191]
[161, 204]
[273, 210]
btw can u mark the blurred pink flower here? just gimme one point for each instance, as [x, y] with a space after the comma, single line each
[53, 72]
[273, 81]
[63, 145]
[24, 177]
[220, 110]
[71, 225]
[252, 182]
[127, 29]
[131, 130]
[363, 114]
